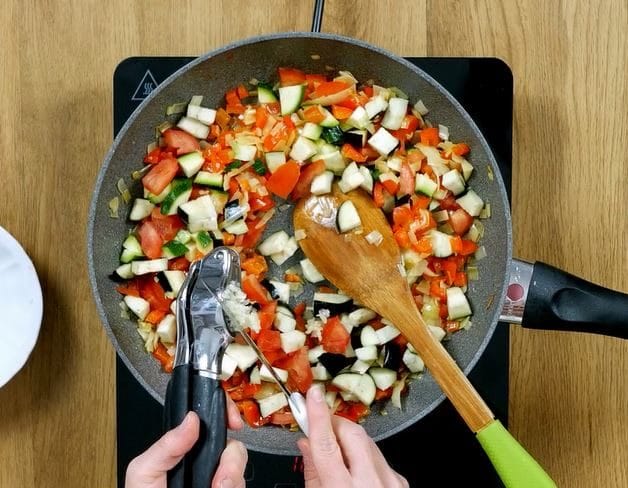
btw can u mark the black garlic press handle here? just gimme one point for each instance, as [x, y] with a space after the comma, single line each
[176, 407]
[208, 401]
[560, 301]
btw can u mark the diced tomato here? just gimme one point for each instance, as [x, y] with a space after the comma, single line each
[155, 316]
[244, 391]
[299, 308]
[406, 180]
[456, 244]
[284, 179]
[402, 216]
[429, 136]
[313, 114]
[423, 246]
[369, 153]
[292, 278]
[419, 202]
[150, 240]
[350, 152]
[402, 238]
[314, 80]
[261, 116]
[460, 279]
[460, 221]
[153, 157]
[308, 173]
[354, 101]
[368, 90]
[449, 202]
[329, 88]
[452, 326]
[468, 247]
[153, 293]
[353, 411]
[267, 315]
[254, 290]
[442, 310]
[250, 411]
[282, 418]
[228, 239]
[232, 98]
[335, 337]
[299, 371]
[340, 112]
[383, 394]
[160, 175]
[400, 340]
[449, 268]
[161, 354]
[410, 123]
[166, 225]
[255, 265]
[254, 234]
[379, 198]
[129, 288]
[460, 149]
[291, 76]
[275, 356]
[269, 340]
[437, 291]
[183, 142]
[242, 91]
[391, 186]
[261, 203]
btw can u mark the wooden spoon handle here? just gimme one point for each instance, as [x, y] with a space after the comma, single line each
[443, 368]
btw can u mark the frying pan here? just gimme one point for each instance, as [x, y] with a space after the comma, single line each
[540, 296]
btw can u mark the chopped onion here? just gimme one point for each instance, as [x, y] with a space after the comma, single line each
[421, 108]
[332, 99]
[375, 237]
[347, 77]
[443, 132]
[151, 147]
[299, 234]
[480, 253]
[124, 190]
[486, 211]
[441, 216]
[398, 92]
[163, 127]
[267, 216]
[254, 81]
[114, 205]
[473, 273]
[139, 174]
[397, 389]
[491, 176]
[423, 287]
[315, 57]
[176, 108]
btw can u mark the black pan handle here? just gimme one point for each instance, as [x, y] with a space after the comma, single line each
[175, 409]
[208, 401]
[560, 301]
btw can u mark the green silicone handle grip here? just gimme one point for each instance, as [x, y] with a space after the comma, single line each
[515, 467]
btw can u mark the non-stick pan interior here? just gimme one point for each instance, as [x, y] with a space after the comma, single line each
[211, 76]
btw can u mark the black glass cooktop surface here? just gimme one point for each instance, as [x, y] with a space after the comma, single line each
[437, 450]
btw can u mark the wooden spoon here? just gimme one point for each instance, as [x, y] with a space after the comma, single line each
[371, 275]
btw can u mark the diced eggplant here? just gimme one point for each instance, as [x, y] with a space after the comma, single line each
[284, 319]
[334, 363]
[167, 329]
[356, 137]
[391, 353]
[292, 340]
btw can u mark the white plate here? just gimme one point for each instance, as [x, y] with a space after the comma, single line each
[21, 307]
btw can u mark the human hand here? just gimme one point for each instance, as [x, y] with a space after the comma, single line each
[150, 469]
[339, 452]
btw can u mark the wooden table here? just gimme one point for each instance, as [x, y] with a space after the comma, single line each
[569, 394]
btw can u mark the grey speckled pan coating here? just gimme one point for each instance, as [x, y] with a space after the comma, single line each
[211, 75]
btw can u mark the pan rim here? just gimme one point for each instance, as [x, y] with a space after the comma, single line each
[498, 180]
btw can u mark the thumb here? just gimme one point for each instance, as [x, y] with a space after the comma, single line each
[164, 454]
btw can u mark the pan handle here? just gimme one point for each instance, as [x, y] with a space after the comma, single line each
[541, 296]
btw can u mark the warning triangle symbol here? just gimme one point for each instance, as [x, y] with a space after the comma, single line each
[146, 85]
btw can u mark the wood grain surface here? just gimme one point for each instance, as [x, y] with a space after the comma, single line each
[569, 395]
